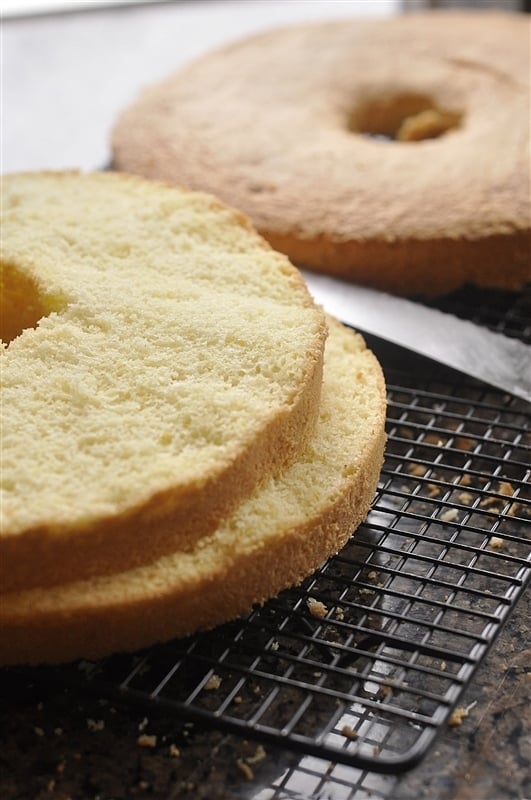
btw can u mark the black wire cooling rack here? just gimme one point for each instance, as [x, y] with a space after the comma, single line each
[366, 661]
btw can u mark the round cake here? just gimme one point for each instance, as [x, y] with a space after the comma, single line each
[273, 539]
[392, 152]
[159, 361]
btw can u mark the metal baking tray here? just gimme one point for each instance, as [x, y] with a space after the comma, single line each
[410, 606]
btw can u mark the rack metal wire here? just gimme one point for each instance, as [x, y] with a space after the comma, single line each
[364, 663]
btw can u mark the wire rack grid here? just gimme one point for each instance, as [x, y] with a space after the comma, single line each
[365, 662]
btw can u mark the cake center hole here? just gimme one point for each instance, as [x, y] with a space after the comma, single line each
[22, 303]
[404, 117]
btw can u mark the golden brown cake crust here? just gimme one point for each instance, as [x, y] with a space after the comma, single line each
[276, 126]
[151, 395]
[273, 540]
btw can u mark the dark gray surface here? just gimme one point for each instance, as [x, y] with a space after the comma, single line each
[62, 743]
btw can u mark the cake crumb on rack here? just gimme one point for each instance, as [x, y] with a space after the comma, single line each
[258, 756]
[416, 469]
[450, 515]
[459, 714]
[466, 498]
[496, 542]
[506, 488]
[348, 732]
[492, 503]
[513, 509]
[316, 608]
[245, 769]
[95, 725]
[213, 683]
[145, 740]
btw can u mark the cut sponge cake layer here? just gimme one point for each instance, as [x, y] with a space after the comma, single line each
[160, 360]
[274, 538]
